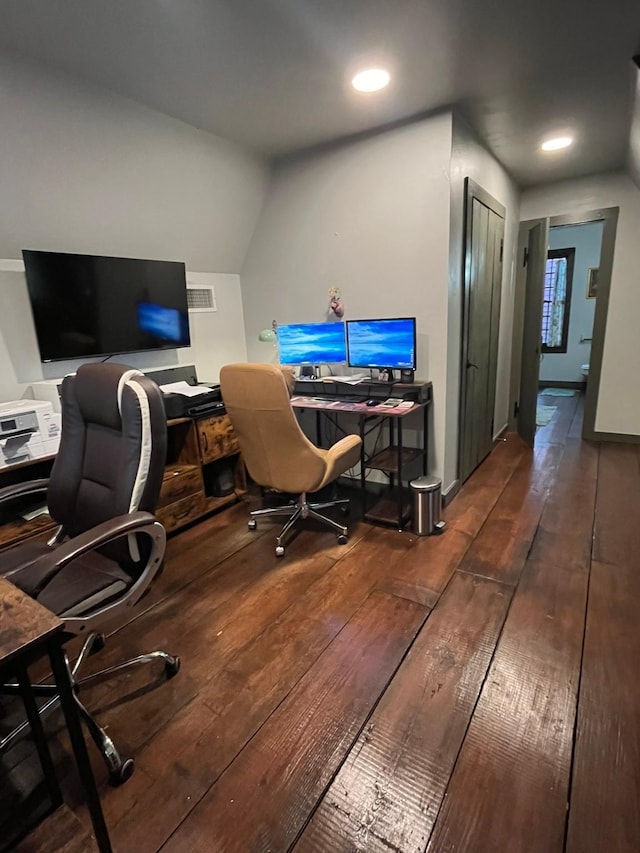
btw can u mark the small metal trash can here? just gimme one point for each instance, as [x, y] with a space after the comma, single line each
[427, 498]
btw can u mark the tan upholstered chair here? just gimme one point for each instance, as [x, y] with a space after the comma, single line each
[276, 452]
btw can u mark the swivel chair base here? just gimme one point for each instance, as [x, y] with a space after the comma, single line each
[119, 769]
[301, 509]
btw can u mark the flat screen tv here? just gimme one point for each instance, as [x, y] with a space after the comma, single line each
[384, 344]
[312, 343]
[87, 305]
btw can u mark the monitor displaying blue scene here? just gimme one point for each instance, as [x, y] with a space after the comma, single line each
[312, 343]
[382, 343]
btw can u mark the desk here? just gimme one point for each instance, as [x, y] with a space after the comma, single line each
[29, 631]
[199, 451]
[392, 460]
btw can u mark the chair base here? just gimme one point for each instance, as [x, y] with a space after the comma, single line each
[120, 769]
[301, 509]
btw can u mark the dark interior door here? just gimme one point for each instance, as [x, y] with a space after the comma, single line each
[531, 333]
[484, 241]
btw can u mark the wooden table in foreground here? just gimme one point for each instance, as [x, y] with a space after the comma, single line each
[28, 631]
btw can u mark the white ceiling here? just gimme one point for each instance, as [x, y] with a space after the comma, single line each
[273, 74]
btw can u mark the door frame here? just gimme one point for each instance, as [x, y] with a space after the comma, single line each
[536, 249]
[609, 217]
[471, 190]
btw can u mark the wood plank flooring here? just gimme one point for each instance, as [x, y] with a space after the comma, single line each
[470, 692]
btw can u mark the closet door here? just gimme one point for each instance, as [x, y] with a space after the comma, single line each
[484, 241]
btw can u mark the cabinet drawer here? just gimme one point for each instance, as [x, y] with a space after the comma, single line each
[181, 512]
[179, 482]
[216, 438]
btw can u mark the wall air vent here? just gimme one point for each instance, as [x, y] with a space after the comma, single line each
[201, 298]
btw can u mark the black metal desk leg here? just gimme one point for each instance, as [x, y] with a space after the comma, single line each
[400, 519]
[35, 721]
[363, 477]
[425, 439]
[72, 718]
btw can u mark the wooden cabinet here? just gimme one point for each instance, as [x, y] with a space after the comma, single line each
[216, 438]
[204, 472]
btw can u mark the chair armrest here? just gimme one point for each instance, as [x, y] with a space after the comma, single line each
[342, 447]
[19, 490]
[48, 566]
[341, 456]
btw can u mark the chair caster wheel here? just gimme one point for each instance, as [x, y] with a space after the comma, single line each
[252, 524]
[172, 667]
[342, 539]
[279, 551]
[120, 775]
[98, 644]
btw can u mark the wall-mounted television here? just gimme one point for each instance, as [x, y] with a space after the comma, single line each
[88, 305]
[312, 343]
[384, 344]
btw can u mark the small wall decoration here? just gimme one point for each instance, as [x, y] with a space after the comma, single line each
[592, 283]
[335, 302]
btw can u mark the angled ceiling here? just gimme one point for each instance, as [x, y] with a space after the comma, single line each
[273, 74]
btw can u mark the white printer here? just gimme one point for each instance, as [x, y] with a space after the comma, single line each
[29, 429]
[49, 390]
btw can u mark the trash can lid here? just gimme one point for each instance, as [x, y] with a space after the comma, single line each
[426, 484]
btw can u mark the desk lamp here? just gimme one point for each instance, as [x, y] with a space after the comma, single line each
[269, 336]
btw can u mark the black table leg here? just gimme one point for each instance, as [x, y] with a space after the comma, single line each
[72, 718]
[400, 518]
[425, 439]
[35, 722]
[363, 473]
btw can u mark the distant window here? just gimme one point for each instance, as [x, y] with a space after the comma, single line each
[557, 300]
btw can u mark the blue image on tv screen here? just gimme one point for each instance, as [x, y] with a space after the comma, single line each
[164, 323]
[382, 343]
[312, 343]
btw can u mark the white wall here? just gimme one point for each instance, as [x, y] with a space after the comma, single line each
[84, 170]
[470, 160]
[372, 218]
[586, 239]
[634, 136]
[618, 408]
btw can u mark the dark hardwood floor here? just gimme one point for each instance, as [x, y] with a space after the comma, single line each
[476, 691]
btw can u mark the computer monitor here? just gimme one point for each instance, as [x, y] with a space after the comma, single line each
[383, 344]
[312, 343]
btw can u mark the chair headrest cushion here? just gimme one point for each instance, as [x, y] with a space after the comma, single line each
[98, 390]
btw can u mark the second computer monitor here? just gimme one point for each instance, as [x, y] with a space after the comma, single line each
[383, 344]
[312, 343]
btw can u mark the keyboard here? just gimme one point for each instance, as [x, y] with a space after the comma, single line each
[340, 398]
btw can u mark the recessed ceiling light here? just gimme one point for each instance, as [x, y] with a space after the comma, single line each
[557, 143]
[371, 80]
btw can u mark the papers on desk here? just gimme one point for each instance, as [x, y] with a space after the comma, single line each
[384, 407]
[348, 380]
[185, 389]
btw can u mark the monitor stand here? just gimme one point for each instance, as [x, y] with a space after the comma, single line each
[386, 375]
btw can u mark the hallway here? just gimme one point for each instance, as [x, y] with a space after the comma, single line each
[471, 692]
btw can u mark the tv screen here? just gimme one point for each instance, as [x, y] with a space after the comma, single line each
[382, 343]
[312, 343]
[87, 305]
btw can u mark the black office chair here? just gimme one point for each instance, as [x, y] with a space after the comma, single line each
[103, 487]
